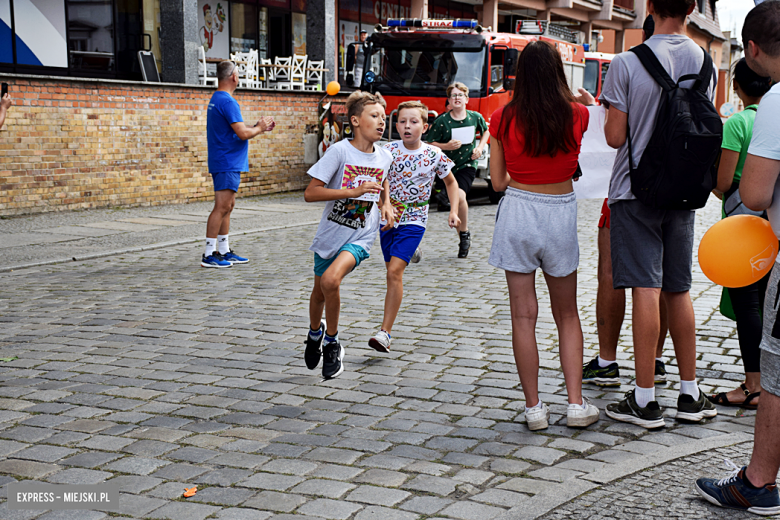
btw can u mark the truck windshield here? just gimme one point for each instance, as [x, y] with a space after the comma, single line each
[591, 82]
[426, 72]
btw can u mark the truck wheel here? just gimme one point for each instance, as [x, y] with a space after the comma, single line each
[494, 195]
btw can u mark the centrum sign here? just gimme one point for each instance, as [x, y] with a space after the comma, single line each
[33, 495]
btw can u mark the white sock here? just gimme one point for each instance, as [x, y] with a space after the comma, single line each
[224, 244]
[690, 388]
[644, 395]
[538, 405]
[211, 246]
[603, 363]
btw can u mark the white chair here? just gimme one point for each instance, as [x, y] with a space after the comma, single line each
[282, 72]
[246, 63]
[266, 74]
[203, 69]
[314, 77]
[298, 73]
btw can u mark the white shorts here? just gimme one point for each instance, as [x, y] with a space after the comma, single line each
[535, 230]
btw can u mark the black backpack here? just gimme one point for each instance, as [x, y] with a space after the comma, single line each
[679, 167]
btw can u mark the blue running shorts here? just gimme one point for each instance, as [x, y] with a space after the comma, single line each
[401, 242]
[226, 181]
[321, 264]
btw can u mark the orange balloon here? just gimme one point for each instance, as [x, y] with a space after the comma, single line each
[738, 251]
[333, 88]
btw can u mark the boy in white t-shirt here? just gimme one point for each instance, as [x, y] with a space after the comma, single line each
[349, 177]
[415, 166]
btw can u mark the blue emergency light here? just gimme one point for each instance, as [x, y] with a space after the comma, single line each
[432, 24]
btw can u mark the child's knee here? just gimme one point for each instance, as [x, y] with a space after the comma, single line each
[329, 282]
[395, 274]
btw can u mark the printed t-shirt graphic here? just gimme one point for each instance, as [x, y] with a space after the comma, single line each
[349, 221]
[411, 180]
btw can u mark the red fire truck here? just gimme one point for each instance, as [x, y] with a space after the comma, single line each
[596, 67]
[418, 59]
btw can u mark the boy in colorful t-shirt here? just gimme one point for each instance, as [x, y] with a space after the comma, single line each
[411, 176]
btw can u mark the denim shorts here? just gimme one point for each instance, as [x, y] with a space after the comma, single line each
[651, 247]
[226, 181]
[321, 264]
[536, 230]
[401, 242]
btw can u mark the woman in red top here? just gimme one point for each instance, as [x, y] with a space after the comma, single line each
[535, 145]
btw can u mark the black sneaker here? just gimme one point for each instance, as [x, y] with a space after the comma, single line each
[660, 372]
[332, 357]
[628, 411]
[607, 376]
[465, 244]
[690, 409]
[313, 351]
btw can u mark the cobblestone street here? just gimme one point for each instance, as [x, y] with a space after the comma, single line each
[145, 369]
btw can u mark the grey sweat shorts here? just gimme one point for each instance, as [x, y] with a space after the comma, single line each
[534, 230]
[651, 247]
[770, 339]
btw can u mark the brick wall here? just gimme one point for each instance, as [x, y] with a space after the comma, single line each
[74, 144]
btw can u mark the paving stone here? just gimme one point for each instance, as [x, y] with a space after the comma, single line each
[426, 505]
[473, 476]
[499, 497]
[381, 477]
[239, 460]
[27, 468]
[222, 496]
[512, 467]
[322, 487]
[180, 472]
[542, 455]
[377, 496]
[270, 481]
[179, 510]
[236, 513]
[429, 484]
[273, 501]
[136, 465]
[222, 477]
[383, 513]
[135, 485]
[289, 467]
[90, 459]
[79, 476]
[571, 445]
[466, 510]
[337, 510]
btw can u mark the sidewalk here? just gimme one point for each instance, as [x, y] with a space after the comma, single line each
[80, 235]
[146, 370]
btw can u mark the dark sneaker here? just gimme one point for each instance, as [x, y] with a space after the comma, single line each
[628, 411]
[332, 357]
[214, 260]
[660, 372]
[233, 258]
[607, 376]
[690, 409]
[313, 351]
[733, 492]
[465, 244]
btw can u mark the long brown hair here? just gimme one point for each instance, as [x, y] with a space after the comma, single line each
[541, 104]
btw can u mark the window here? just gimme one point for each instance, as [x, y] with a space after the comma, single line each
[91, 34]
[243, 27]
[497, 68]
[591, 80]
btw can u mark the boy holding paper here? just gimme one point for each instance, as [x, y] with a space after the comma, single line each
[410, 180]
[455, 133]
[349, 177]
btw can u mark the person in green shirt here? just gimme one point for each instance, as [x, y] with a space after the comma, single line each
[746, 302]
[463, 154]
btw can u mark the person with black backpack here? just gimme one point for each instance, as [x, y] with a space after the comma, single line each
[668, 134]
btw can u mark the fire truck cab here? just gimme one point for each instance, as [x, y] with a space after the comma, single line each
[419, 59]
[596, 67]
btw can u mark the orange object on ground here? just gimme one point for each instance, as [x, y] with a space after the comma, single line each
[738, 251]
[190, 492]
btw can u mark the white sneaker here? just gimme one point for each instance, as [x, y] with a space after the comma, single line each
[579, 417]
[537, 417]
[380, 342]
[417, 256]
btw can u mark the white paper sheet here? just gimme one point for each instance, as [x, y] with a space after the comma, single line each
[596, 158]
[464, 134]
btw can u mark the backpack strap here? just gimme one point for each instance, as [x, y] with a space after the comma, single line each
[705, 75]
[654, 67]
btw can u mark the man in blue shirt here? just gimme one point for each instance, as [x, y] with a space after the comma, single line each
[227, 137]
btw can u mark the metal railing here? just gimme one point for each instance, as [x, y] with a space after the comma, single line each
[545, 28]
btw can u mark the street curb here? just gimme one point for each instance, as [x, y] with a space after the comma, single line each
[139, 249]
[558, 494]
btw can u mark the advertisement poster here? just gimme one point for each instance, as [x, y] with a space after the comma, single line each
[299, 33]
[213, 28]
[40, 33]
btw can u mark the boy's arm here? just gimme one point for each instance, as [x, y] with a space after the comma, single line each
[477, 153]
[386, 210]
[453, 193]
[317, 192]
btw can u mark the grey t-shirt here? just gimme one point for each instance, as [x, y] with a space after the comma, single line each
[349, 221]
[631, 89]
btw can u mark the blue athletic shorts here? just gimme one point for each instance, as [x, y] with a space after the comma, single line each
[401, 242]
[321, 264]
[226, 181]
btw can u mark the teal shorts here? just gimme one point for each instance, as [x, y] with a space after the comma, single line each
[321, 264]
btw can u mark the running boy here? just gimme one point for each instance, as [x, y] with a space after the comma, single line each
[349, 177]
[410, 180]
